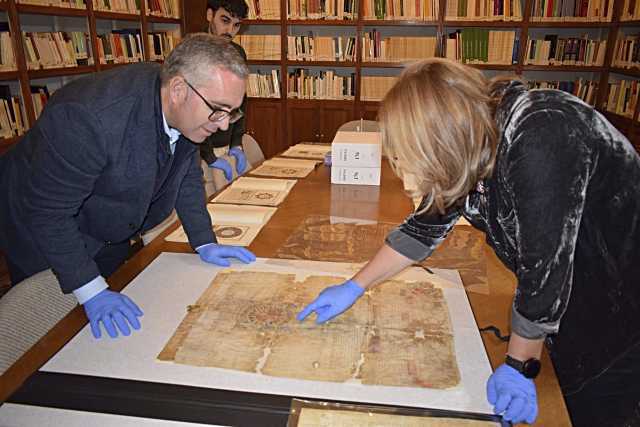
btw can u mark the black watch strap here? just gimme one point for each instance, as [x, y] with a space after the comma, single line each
[530, 368]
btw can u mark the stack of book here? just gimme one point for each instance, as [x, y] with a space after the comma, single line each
[57, 49]
[356, 158]
[122, 6]
[482, 46]
[165, 8]
[264, 85]
[120, 47]
[375, 48]
[565, 51]
[264, 9]
[316, 48]
[260, 47]
[423, 10]
[12, 117]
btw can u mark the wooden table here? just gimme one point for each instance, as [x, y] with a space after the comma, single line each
[313, 196]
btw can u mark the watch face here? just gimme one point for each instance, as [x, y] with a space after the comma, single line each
[531, 368]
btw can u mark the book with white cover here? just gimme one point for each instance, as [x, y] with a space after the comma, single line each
[233, 224]
[256, 191]
[356, 149]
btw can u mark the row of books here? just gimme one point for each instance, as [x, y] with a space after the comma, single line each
[39, 97]
[481, 46]
[75, 4]
[374, 88]
[121, 6]
[57, 49]
[623, 97]
[322, 9]
[423, 10]
[165, 8]
[316, 48]
[565, 51]
[264, 85]
[630, 10]
[263, 9]
[572, 10]
[484, 10]
[161, 43]
[12, 116]
[7, 56]
[627, 51]
[326, 85]
[120, 47]
[587, 90]
[396, 49]
[260, 47]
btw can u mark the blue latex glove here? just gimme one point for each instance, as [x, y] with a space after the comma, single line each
[333, 301]
[114, 310]
[218, 254]
[224, 166]
[241, 159]
[512, 393]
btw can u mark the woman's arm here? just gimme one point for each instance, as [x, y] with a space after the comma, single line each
[385, 264]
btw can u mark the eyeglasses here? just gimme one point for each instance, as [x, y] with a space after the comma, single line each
[218, 114]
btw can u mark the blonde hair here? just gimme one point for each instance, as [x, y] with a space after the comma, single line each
[437, 124]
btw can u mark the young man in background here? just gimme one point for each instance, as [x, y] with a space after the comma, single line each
[224, 19]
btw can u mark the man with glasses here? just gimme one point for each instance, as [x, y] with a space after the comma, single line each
[224, 20]
[110, 157]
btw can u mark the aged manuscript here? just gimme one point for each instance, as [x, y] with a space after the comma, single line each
[317, 238]
[398, 334]
[285, 168]
[311, 417]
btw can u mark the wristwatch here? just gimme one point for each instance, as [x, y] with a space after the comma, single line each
[530, 368]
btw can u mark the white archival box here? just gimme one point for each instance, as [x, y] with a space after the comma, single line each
[356, 158]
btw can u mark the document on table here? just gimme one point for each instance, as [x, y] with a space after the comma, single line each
[256, 191]
[233, 224]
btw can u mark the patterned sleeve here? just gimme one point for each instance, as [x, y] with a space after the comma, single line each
[421, 233]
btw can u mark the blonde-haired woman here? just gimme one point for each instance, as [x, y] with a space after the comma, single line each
[556, 189]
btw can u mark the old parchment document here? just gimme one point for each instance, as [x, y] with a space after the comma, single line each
[312, 417]
[317, 239]
[285, 168]
[398, 334]
[232, 224]
[308, 151]
[256, 191]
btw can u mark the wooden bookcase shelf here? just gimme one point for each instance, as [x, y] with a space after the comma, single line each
[50, 10]
[23, 76]
[101, 14]
[309, 120]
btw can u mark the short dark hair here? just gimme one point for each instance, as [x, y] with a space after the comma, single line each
[237, 8]
[196, 53]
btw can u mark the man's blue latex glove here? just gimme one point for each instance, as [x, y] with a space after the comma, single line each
[512, 393]
[241, 159]
[218, 254]
[333, 301]
[224, 166]
[114, 310]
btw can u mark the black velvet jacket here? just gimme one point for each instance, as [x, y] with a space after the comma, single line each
[562, 211]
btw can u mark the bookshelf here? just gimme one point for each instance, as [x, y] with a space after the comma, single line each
[278, 122]
[156, 24]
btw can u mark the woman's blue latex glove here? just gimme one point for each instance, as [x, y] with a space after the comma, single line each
[114, 310]
[512, 393]
[218, 254]
[224, 166]
[333, 301]
[241, 159]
